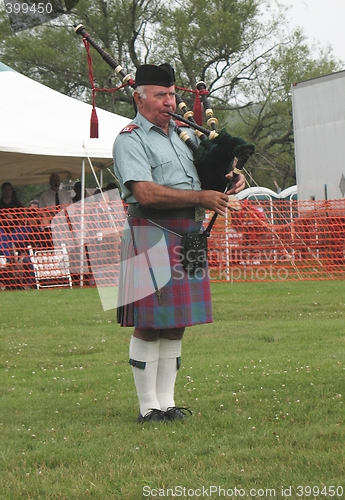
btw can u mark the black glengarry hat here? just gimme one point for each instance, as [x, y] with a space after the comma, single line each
[150, 74]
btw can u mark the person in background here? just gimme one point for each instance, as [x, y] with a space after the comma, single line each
[77, 190]
[33, 204]
[5, 253]
[5, 238]
[110, 186]
[9, 198]
[11, 238]
[54, 196]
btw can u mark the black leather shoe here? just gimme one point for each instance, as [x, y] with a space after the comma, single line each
[177, 413]
[153, 416]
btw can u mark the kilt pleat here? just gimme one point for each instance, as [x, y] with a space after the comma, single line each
[185, 299]
[125, 307]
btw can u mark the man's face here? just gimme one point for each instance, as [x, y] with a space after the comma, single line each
[159, 100]
[55, 182]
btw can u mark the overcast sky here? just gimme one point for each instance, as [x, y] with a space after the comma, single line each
[322, 20]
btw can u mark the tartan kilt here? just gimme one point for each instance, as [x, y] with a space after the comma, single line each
[185, 299]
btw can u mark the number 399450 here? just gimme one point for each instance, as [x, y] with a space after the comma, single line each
[28, 8]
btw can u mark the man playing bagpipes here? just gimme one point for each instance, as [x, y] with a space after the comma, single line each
[160, 183]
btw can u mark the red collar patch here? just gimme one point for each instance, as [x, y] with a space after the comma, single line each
[129, 128]
[181, 124]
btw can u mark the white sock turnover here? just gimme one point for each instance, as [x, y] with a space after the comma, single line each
[144, 360]
[169, 353]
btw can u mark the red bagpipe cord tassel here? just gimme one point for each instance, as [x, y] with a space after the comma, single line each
[94, 120]
[197, 109]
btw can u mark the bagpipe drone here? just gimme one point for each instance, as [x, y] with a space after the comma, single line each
[214, 156]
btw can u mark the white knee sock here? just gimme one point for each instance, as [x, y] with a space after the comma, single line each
[144, 360]
[169, 352]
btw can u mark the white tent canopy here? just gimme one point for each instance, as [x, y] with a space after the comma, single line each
[43, 131]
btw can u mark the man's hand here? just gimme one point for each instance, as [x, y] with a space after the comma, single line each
[214, 201]
[239, 184]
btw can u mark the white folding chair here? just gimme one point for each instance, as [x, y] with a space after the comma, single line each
[3, 264]
[51, 267]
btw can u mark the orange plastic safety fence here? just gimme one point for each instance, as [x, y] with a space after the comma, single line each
[277, 240]
[76, 246]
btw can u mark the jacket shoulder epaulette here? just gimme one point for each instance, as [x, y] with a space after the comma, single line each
[129, 128]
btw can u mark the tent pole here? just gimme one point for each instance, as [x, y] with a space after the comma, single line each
[82, 223]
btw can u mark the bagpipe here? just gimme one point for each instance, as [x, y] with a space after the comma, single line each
[216, 154]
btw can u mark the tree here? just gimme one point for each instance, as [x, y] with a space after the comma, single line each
[268, 122]
[55, 56]
[248, 61]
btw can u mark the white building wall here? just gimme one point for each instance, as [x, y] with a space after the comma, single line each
[319, 130]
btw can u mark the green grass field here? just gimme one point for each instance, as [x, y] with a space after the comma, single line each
[265, 381]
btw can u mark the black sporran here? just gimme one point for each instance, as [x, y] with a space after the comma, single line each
[194, 252]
